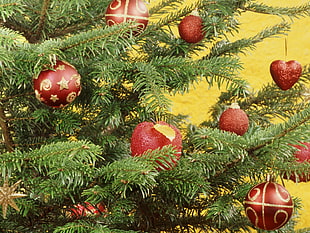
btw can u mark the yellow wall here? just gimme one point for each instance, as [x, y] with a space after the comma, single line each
[256, 70]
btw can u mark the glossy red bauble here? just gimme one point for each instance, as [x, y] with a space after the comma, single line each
[234, 120]
[86, 209]
[190, 29]
[268, 206]
[119, 11]
[285, 74]
[59, 86]
[302, 155]
[150, 136]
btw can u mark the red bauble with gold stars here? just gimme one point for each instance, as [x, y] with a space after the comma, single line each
[119, 11]
[268, 206]
[58, 86]
[234, 120]
[191, 28]
[285, 74]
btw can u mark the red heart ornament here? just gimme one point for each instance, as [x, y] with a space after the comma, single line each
[285, 74]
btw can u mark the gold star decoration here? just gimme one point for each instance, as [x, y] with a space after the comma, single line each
[54, 98]
[7, 196]
[63, 84]
[61, 67]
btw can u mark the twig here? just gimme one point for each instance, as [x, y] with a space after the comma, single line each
[38, 33]
[14, 96]
[8, 141]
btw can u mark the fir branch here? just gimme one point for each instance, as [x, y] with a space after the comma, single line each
[7, 8]
[47, 154]
[112, 33]
[80, 226]
[292, 12]
[223, 70]
[83, 226]
[6, 61]
[262, 141]
[8, 4]
[177, 73]
[151, 86]
[277, 132]
[174, 16]
[139, 172]
[62, 164]
[222, 150]
[19, 27]
[54, 156]
[223, 48]
[161, 7]
[9, 38]
[7, 98]
[76, 27]
[8, 42]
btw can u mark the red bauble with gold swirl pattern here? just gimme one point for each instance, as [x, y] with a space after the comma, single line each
[119, 11]
[268, 206]
[58, 86]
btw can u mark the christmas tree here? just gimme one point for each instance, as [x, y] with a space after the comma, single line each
[67, 154]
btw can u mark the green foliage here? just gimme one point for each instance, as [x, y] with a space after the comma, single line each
[82, 152]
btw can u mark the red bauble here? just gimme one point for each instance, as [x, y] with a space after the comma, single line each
[190, 29]
[86, 209]
[302, 155]
[119, 11]
[58, 86]
[268, 206]
[150, 136]
[234, 120]
[285, 74]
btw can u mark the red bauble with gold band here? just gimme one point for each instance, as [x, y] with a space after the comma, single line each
[119, 11]
[268, 206]
[58, 86]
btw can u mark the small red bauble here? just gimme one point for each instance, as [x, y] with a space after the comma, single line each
[268, 206]
[59, 86]
[285, 74]
[190, 29]
[234, 120]
[86, 209]
[150, 136]
[302, 155]
[119, 11]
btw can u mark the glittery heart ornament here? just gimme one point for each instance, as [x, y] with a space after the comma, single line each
[285, 74]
